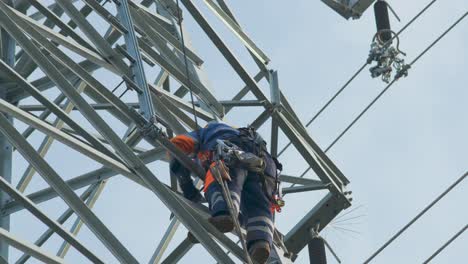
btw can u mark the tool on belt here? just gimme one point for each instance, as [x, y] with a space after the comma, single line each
[221, 174]
[234, 156]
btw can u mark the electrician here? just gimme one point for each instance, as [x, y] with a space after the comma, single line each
[252, 191]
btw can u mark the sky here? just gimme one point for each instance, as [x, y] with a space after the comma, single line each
[404, 152]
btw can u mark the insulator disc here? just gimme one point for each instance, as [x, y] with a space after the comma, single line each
[382, 20]
[317, 254]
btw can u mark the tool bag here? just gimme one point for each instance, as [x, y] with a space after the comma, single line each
[256, 158]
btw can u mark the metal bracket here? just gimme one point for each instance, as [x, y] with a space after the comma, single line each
[387, 57]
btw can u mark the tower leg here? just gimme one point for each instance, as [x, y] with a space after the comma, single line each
[6, 150]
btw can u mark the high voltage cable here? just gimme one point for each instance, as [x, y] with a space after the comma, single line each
[446, 244]
[349, 81]
[416, 217]
[358, 72]
[394, 80]
[388, 87]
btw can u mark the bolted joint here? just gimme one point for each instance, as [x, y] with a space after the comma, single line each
[150, 131]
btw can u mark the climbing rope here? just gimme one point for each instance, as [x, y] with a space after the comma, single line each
[216, 172]
[187, 72]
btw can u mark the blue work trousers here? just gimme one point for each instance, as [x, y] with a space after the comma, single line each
[247, 194]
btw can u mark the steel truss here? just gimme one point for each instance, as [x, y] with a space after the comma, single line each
[137, 40]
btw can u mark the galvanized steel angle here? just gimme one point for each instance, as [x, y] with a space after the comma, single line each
[337, 175]
[54, 180]
[101, 44]
[83, 180]
[61, 220]
[62, 40]
[169, 37]
[66, 29]
[56, 110]
[225, 51]
[32, 208]
[177, 73]
[237, 30]
[126, 154]
[66, 139]
[306, 151]
[26, 247]
[105, 14]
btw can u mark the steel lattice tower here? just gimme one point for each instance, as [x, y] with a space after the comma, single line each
[54, 69]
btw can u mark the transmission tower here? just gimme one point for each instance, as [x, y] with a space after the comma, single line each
[58, 73]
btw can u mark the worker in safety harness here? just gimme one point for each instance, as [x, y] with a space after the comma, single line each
[252, 180]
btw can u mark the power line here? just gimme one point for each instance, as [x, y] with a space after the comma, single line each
[394, 80]
[375, 100]
[416, 218]
[386, 89]
[328, 103]
[358, 72]
[446, 244]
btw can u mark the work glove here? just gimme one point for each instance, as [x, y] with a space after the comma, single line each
[185, 181]
[190, 192]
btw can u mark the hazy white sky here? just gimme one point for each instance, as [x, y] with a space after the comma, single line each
[404, 152]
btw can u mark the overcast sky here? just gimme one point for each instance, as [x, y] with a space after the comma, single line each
[403, 153]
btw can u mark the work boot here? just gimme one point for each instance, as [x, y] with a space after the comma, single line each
[223, 223]
[260, 251]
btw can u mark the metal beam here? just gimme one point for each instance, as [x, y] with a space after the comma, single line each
[332, 169]
[124, 151]
[307, 151]
[170, 38]
[65, 247]
[28, 248]
[101, 44]
[305, 188]
[164, 243]
[225, 51]
[92, 82]
[322, 214]
[139, 76]
[67, 194]
[66, 29]
[44, 83]
[168, 65]
[69, 44]
[106, 15]
[66, 139]
[81, 181]
[178, 252]
[298, 180]
[33, 209]
[56, 110]
[61, 220]
[45, 146]
[222, 4]
[7, 56]
[237, 30]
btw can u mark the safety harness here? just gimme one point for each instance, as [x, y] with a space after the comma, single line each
[248, 151]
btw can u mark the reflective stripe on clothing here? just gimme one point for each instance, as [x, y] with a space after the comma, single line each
[261, 219]
[235, 197]
[263, 229]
